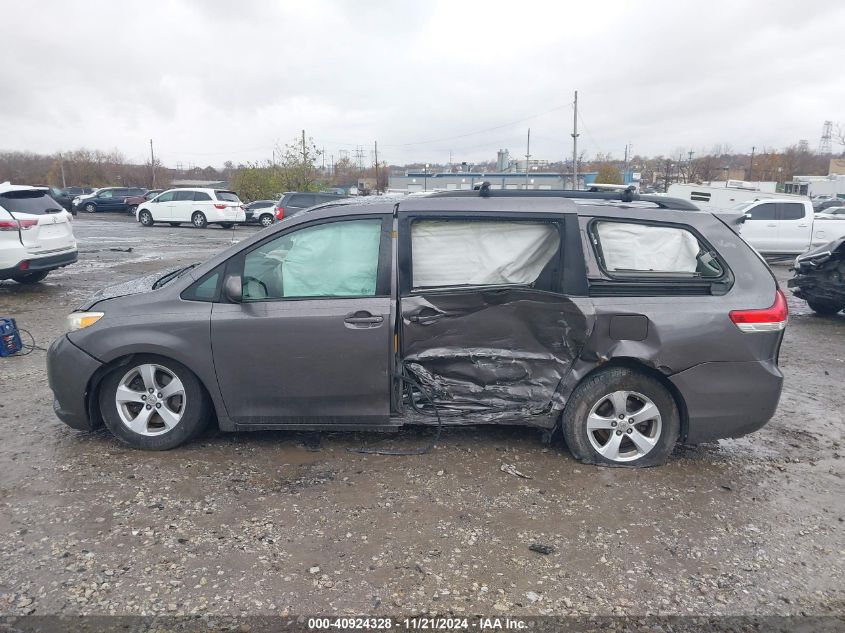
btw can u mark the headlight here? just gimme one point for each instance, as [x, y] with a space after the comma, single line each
[79, 320]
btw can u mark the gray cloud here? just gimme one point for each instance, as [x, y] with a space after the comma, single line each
[212, 80]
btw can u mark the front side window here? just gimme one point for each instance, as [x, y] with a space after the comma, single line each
[167, 196]
[765, 211]
[108, 193]
[338, 259]
[459, 253]
[646, 249]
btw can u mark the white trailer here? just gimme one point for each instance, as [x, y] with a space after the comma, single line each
[727, 197]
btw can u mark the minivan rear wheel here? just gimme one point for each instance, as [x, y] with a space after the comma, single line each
[153, 403]
[199, 220]
[621, 417]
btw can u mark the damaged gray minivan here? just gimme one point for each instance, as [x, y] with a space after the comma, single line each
[628, 322]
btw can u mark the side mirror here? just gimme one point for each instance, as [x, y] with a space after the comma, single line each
[233, 288]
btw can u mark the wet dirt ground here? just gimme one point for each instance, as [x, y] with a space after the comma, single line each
[265, 524]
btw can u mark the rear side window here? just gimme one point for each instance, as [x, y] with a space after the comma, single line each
[461, 253]
[227, 196]
[181, 196]
[301, 200]
[633, 249]
[201, 196]
[766, 211]
[792, 211]
[31, 202]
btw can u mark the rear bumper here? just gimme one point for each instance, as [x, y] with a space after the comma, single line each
[728, 399]
[36, 264]
[69, 371]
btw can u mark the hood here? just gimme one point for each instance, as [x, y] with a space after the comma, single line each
[820, 254]
[132, 287]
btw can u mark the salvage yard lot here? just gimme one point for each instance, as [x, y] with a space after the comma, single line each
[269, 523]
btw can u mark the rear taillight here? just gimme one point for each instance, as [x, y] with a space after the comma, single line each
[770, 319]
[27, 224]
[24, 265]
[220, 206]
[9, 225]
[280, 213]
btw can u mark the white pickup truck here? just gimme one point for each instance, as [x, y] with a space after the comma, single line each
[777, 226]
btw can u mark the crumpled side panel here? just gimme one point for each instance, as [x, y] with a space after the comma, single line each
[494, 355]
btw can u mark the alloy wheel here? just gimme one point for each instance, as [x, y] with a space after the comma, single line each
[150, 399]
[624, 425]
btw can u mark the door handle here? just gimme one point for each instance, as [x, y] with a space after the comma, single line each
[772, 225]
[363, 318]
[426, 318]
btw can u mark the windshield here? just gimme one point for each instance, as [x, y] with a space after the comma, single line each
[172, 276]
[228, 196]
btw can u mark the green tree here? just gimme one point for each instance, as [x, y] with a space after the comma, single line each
[609, 175]
[299, 165]
[258, 182]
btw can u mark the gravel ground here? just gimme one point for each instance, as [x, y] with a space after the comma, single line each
[268, 523]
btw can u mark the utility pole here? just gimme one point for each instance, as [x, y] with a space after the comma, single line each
[751, 166]
[527, 157]
[667, 178]
[575, 144]
[62, 166]
[153, 163]
[376, 147]
[274, 157]
[303, 147]
[689, 165]
[625, 166]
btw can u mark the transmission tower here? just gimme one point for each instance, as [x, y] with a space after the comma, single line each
[824, 141]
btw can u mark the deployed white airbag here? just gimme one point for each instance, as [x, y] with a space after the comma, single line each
[467, 253]
[645, 247]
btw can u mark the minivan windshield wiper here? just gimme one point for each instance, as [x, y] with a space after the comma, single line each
[172, 276]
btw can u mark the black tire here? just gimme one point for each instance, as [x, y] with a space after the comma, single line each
[199, 220]
[31, 278]
[195, 416]
[227, 225]
[266, 219]
[90, 208]
[595, 391]
[146, 218]
[175, 223]
[824, 308]
[132, 209]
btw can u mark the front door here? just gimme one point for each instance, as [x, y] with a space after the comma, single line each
[311, 340]
[487, 329]
[795, 228]
[760, 228]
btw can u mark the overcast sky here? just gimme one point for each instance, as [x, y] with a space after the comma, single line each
[211, 80]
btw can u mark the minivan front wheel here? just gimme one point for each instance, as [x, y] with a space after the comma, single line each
[153, 403]
[266, 219]
[199, 220]
[90, 208]
[621, 417]
[145, 218]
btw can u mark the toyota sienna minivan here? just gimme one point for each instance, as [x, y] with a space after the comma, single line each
[627, 322]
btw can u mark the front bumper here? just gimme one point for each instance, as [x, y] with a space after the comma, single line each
[728, 399]
[69, 372]
[37, 264]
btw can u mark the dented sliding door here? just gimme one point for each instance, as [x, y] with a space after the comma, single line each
[486, 328]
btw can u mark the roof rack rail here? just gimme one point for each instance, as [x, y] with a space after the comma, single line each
[628, 195]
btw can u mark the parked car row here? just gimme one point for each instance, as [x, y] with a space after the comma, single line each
[107, 199]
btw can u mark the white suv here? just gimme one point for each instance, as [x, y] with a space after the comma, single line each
[36, 234]
[200, 207]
